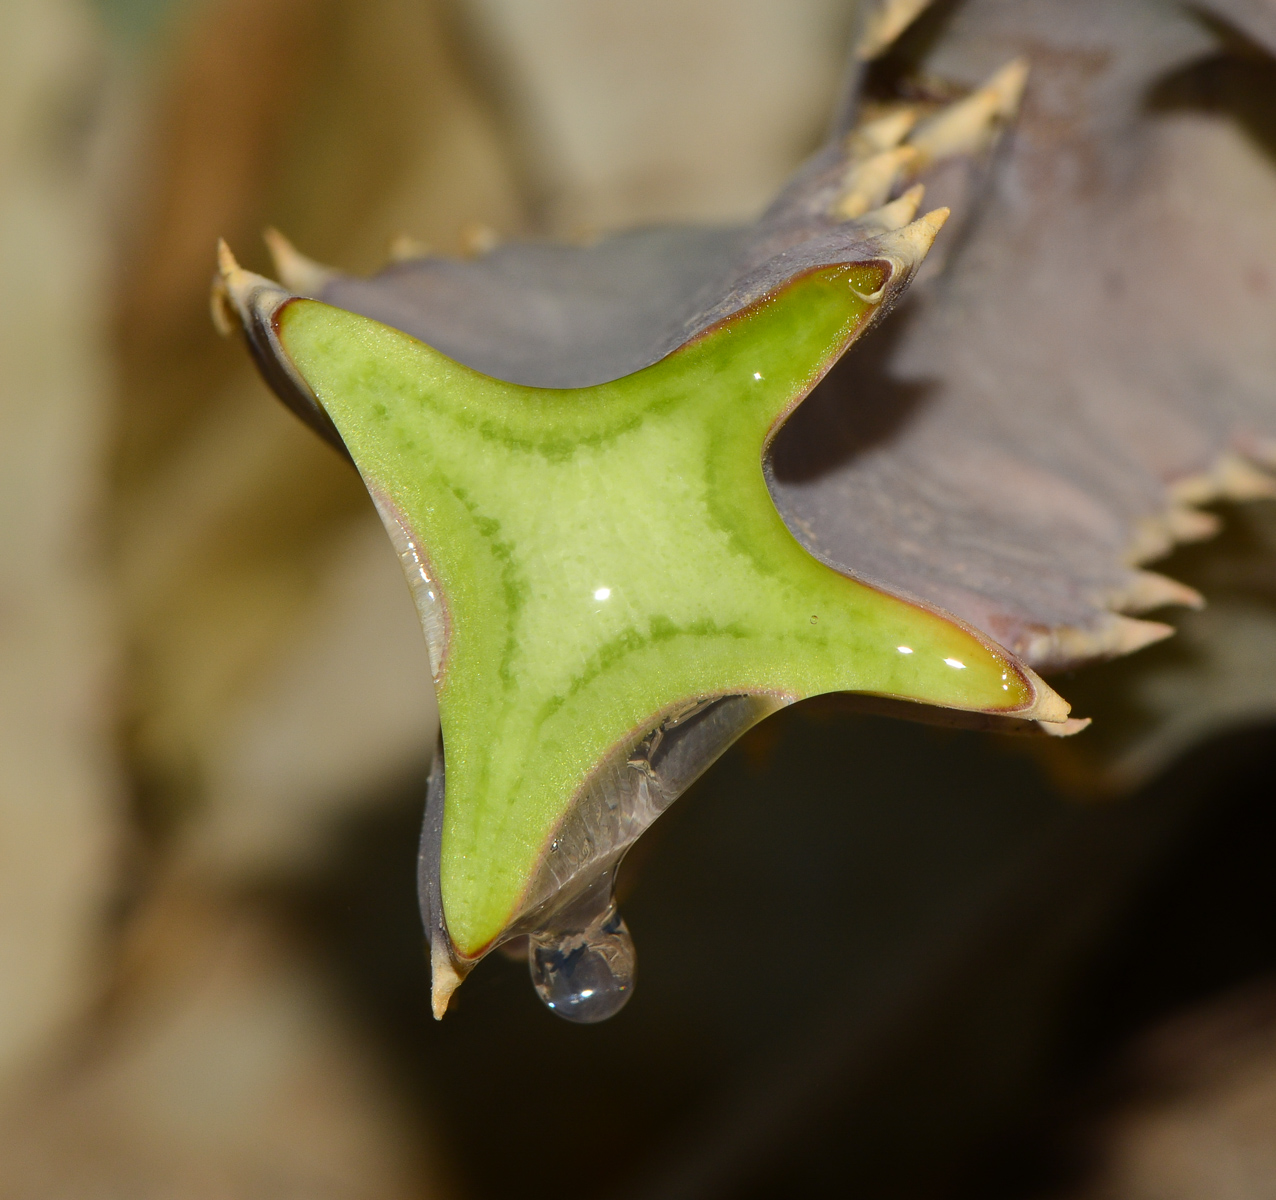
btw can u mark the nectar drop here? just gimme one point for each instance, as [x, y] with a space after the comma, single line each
[583, 970]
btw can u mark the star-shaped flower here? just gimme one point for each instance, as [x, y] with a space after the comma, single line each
[569, 448]
[591, 563]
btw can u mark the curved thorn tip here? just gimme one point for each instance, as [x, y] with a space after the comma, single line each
[1149, 590]
[1068, 728]
[883, 22]
[226, 264]
[869, 181]
[295, 270]
[237, 282]
[882, 133]
[896, 214]
[228, 292]
[970, 126]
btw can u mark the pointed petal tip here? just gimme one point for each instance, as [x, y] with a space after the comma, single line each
[1047, 706]
[444, 980]
[909, 245]
[933, 221]
[297, 272]
[237, 291]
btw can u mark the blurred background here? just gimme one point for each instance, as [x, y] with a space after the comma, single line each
[875, 958]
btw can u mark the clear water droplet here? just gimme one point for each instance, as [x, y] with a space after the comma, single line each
[583, 968]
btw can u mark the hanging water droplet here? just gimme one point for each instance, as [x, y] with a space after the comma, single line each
[584, 970]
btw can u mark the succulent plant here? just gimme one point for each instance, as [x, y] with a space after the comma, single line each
[623, 558]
